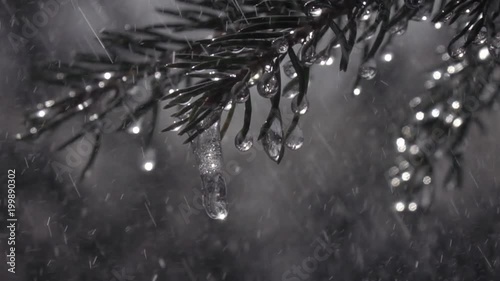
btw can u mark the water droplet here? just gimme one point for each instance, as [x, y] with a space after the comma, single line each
[208, 154]
[458, 53]
[296, 139]
[368, 71]
[289, 70]
[481, 38]
[308, 57]
[268, 85]
[399, 28]
[228, 106]
[314, 11]
[280, 45]
[243, 143]
[367, 13]
[300, 108]
[273, 139]
[291, 89]
[177, 128]
[242, 96]
[448, 17]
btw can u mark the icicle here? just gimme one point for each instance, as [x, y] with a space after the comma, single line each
[208, 153]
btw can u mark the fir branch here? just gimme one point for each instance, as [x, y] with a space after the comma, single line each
[250, 41]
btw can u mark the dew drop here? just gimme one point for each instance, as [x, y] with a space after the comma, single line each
[300, 108]
[308, 57]
[366, 14]
[280, 45]
[296, 139]
[481, 38]
[314, 11]
[268, 85]
[273, 139]
[243, 143]
[399, 28]
[291, 89]
[458, 53]
[242, 96]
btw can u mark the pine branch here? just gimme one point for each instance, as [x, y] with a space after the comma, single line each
[251, 43]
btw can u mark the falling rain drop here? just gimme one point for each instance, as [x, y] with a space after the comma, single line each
[208, 153]
[243, 143]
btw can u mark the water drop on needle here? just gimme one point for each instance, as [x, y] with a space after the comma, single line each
[273, 139]
[243, 143]
[296, 139]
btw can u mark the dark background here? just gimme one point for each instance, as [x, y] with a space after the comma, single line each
[334, 187]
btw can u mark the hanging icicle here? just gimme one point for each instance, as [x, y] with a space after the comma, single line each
[207, 150]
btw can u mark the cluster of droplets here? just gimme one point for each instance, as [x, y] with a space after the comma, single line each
[418, 146]
[267, 85]
[434, 132]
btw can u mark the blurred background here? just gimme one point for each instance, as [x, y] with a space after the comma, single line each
[125, 222]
